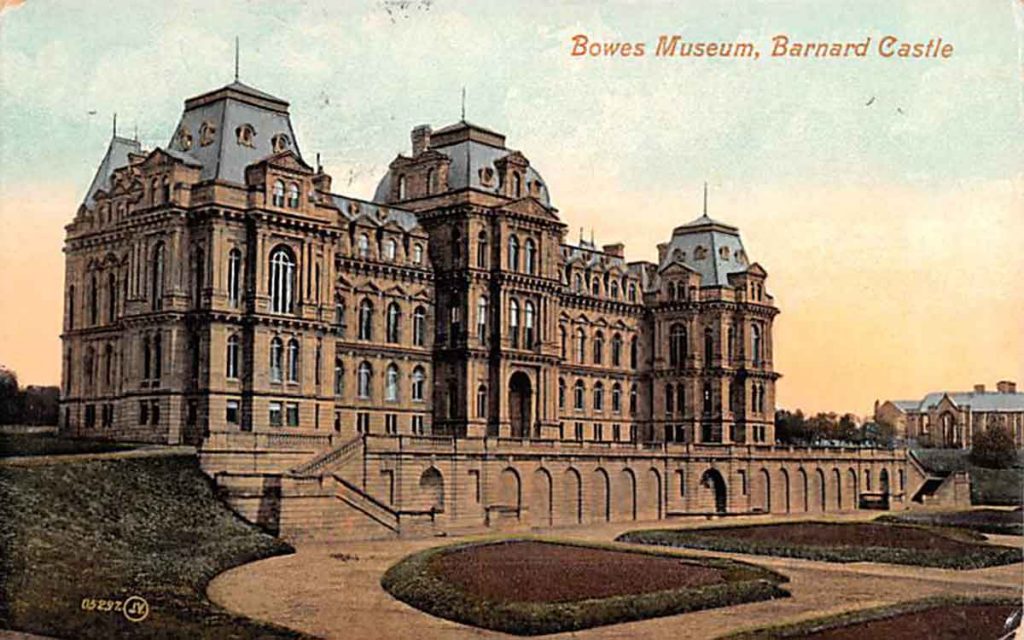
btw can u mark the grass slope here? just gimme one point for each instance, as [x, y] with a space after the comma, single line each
[108, 529]
[999, 487]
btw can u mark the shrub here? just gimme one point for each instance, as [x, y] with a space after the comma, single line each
[994, 448]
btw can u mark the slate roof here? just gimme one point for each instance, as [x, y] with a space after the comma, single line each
[115, 158]
[713, 236]
[984, 401]
[376, 214]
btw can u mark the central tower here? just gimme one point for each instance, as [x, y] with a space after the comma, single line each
[495, 245]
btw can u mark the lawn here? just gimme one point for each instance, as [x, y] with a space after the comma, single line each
[995, 521]
[841, 542]
[997, 487]
[532, 587]
[944, 618]
[45, 444]
[79, 537]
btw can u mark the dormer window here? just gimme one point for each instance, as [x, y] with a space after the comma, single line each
[517, 185]
[486, 176]
[401, 187]
[245, 135]
[700, 253]
[679, 255]
[724, 253]
[390, 249]
[293, 196]
[417, 253]
[207, 133]
[280, 142]
[184, 139]
[430, 181]
[278, 193]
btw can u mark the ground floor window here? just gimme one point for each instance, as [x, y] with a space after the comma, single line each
[598, 432]
[579, 430]
[417, 425]
[293, 414]
[276, 414]
[391, 424]
[231, 414]
[363, 422]
[616, 432]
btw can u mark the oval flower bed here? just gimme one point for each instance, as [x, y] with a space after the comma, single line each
[841, 542]
[531, 587]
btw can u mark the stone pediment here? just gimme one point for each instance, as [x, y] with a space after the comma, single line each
[757, 270]
[532, 207]
[678, 268]
[343, 283]
[288, 161]
[422, 295]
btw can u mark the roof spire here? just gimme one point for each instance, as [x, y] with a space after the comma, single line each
[236, 58]
[463, 103]
[136, 136]
[115, 124]
[705, 198]
[581, 235]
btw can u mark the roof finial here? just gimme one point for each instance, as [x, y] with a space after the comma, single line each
[135, 137]
[318, 167]
[581, 235]
[705, 198]
[592, 236]
[463, 103]
[115, 124]
[236, 58]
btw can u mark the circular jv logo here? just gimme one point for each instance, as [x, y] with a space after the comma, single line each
[135, 609]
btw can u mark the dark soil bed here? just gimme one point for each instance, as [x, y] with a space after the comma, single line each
[997, 521]
[841, 542]
[542, 572]
[529, 587]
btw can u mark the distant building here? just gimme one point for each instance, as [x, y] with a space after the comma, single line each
[952, 418]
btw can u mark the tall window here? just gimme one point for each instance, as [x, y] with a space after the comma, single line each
[234, 277]
[278, 193]
[364, 375]
[617, 397]
[339, 377]
[199, 274]
[158, 357]
[417, 253]
[282, 280]
[681, 398]
[528, 324]
[632, 399]
[517, 185]
[293, 196]
[108, 364]
[391, 383]
[632, 292]
[71, 307]
[677, 345]
[365, 320]
[577, 395]
[577, 283]
[709, 346]
[430, 181]
[707, 398]
[157, 276]
[616, 350]
[670, 399]
[276, 360]
[481, 319]
[393, 321]
[756, 346]
[731, 347]
[598, 396]
[401, 187]
[513, 321]
[147, 358]
[391, 249]
[581, 345]
[111, 297]
[293, 360]
[633, 355]
[364, 245]
[513, 253]
[481, 401]
[530, 256]
[419, 327]
[481, 250]
[232, 355]
[598, 348]
[614, 290]
[418, 382]
[561, 393]
[94, 301]
[562, 341]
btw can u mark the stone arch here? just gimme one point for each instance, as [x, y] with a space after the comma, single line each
[837, 488]
[656, 494]
[520, 404]
[817, 502]
[883, 482]
[761, 491]
[542, 499]
[432, 489]
[573, 495]
[852, 490]
[714, 494]
[602, 496]
[800, 490]
[785, 502]
[510, 489]
[626, 504]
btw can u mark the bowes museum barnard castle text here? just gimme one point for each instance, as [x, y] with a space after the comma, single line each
[781, 46]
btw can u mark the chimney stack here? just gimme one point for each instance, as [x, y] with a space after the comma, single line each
[420, 139]
[618, 249]
[1006, 386]
[979, 388]
[662, 250]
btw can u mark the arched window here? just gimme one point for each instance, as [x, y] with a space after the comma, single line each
[158, 356]
[595, 286]
[562, 341]
[234, 277]
[293, 195]
[617, 397]
[581, 345]
[293, 360]
[276, 360]
[108, 364]
[481, 401]
[513, 253]
[633, 355]
[577, 283]
[731, 346]
[111, 297]
[632, 399]
[393, 322]
[232, 357]
[364, 375]
[90, 367]
[517, 185]
[199, 275]
[617, 350]
[677, 345]
[756, 346]
[670, 399]
[390, 249]
[401, 187]
[157, 276]
[681, 398]
[614, 290]
[707, 398]
[154, 191]
[419, 327]
[339, 377]
[147, 357]
[709, 347]
[671, 291]
[282, 280]
[94, 301]
[481, 319]
[456, 246]
[481, 250]
[577, 395]
[417, 253]
[513, 321]
[391, 383]
[278, 196]
[529, 324]
[364, 245]
[632, 292]
[598, 396]
[418, 382]
[598, 348]
[430, 181]
[561, 393]
[71, 307]
[365, 320]
[530, 256]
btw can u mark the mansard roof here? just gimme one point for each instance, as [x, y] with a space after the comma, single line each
[723, 252]
[378, 215]
[116, 157]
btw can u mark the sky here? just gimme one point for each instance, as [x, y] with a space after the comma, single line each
[884, 197]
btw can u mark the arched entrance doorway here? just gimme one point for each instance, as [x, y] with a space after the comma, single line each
[432, 489]
[520, 403]
[714, 481]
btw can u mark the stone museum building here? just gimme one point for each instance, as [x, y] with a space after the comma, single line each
[436, 358]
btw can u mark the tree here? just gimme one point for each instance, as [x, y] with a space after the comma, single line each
[994, 448]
